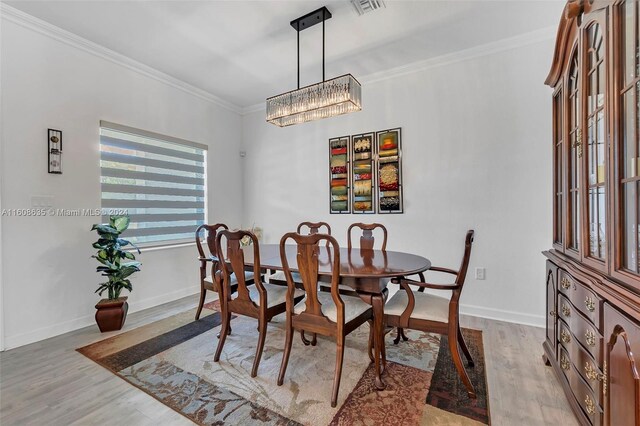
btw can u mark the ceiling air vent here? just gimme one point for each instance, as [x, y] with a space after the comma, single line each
[366, 6]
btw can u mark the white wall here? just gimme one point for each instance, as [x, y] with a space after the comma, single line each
[476, 155]
[48, 275]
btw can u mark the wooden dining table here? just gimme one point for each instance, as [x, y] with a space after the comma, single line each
[366, 271]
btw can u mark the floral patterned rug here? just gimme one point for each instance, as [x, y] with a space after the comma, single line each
[172, 360]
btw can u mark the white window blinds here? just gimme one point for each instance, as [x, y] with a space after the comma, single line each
[160, 181]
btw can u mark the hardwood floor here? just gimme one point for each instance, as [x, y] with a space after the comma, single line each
[50, 383]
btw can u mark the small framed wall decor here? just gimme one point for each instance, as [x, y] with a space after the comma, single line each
[54, 150]
[389, 171]
[363, 173]
[339, 162]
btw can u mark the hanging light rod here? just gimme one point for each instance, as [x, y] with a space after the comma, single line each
[329, 98]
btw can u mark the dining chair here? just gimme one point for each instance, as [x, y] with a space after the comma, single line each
[261, 301]
[207, 282]
[434, 314]
[311, 228]
[322, 313]
[367, 241]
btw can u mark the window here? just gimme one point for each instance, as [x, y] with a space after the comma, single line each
[160, 181]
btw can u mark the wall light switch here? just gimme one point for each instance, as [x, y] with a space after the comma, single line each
[481, 273]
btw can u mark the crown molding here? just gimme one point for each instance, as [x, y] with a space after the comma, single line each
[526, 39]
[254, 108]
[38, 25]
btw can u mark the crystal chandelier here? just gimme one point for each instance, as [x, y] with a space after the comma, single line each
[340, 95]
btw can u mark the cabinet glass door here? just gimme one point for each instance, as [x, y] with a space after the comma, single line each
[558, 188]
[596, 153]
[630, 147]
[575, 153]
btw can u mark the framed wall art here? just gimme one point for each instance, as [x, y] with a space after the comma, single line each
[363, 173]
[339, 166]
[389, 171]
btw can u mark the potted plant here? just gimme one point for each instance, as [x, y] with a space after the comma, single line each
[117, 264]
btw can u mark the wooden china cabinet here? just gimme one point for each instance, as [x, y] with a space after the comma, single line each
[593, 268]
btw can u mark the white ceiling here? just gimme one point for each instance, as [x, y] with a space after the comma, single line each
[245, 51]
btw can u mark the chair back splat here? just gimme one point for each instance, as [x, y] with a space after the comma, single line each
[367, 240]
[307, 257]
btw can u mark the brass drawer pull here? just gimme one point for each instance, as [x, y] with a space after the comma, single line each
[566, 311]
[553, 314]
[590, 337]
[564, 336]
[564, 362]
[590, 405]
[591, 372]
[590, 304]
[565, 283]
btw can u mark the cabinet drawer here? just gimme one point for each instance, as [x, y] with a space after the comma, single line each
[585, 300]
[581, 391]
[586, 366]
[574, 328]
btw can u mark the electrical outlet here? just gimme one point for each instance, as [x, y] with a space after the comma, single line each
[481, 273]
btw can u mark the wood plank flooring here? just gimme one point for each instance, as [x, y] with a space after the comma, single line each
[49, 383]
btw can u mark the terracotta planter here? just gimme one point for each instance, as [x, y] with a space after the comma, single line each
[111, 314]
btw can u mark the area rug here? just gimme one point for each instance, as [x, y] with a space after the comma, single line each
[172, 360]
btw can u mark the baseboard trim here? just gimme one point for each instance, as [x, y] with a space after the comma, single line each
[44, 333]
[504, 315]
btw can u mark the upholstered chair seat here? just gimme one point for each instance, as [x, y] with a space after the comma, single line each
[276, 294]
[248, 276]
[427, 306]
[353, 307]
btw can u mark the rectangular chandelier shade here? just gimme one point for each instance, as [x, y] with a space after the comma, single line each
[329, 98]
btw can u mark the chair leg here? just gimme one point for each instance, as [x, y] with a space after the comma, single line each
[338, 373]
[399, 335]
[226, 318]
[203, 294]
[287, 352]
[262, 330]
[457, 361]
[370, 345]
[465, 348]
[312, 342]
[228, 332]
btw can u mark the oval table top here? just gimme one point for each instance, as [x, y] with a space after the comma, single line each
[356, 263]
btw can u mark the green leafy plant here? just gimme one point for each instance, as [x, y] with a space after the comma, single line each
[116, 262]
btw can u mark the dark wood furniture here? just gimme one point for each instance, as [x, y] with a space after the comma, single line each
[312, 228]
[319, 313]
[434, 314]
[262, 301]
[367, 240]
[593, 268]
[370, 270]
[207, 282]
